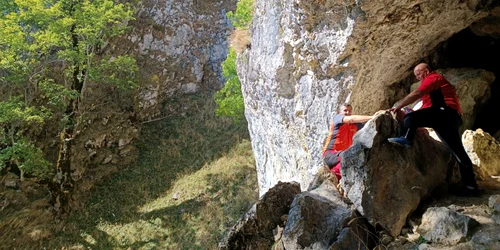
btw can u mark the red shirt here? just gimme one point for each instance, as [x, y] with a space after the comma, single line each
[437, 90]
[344, 136]
[340, 135]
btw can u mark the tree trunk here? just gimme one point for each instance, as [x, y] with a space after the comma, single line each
[62, 183]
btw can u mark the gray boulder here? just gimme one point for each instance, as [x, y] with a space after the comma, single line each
[387, 182]
[444, 226]
[255, 229]
[321, 219]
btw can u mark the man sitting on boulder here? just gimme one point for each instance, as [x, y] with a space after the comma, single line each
[440, 111]
[340, 136]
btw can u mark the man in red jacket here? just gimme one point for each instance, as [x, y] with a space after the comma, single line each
[441, 111]
[344, 126]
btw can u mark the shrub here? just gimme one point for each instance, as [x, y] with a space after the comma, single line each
[230, 99]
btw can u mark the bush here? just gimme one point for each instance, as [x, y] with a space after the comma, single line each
[243, 15]
[230, 99]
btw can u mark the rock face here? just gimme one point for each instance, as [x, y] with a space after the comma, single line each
[289, 97]
[484, 151]
[307, 57]
[180, 46]
[489, 25]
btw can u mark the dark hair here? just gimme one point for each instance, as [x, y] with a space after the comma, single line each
[344, 105]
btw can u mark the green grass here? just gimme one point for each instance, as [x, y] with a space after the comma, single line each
[195, 177]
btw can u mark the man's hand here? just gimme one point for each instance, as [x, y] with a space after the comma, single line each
[394, 110]
[379, 112]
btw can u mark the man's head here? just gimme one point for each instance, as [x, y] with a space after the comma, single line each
[421, 71]
[345, 109]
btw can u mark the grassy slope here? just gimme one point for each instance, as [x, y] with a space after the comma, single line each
[195, 177]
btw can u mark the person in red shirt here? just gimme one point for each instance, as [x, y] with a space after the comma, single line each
[441, 111]
[343, 128]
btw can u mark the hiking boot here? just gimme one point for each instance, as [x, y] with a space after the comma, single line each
[467, 191]
[400, 141]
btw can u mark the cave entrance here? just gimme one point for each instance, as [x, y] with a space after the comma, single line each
[466, 49]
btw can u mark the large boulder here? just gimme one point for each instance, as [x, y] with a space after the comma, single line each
[321, 219]
[255, 229]
[445, 226]
[484, 151]
[387, 182]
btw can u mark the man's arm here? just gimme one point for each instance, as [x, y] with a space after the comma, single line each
[409, 99]
[356, 118]
[361, 118]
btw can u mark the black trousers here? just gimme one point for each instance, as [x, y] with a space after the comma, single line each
[446, 122]
[331, 158]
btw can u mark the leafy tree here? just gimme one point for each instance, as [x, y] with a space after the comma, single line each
[50, 50]
[243, 15]
[14, 115]
[230, 98]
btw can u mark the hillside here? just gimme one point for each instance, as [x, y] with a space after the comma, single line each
[194, 178]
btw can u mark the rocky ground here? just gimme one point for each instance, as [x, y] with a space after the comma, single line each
[481, 235]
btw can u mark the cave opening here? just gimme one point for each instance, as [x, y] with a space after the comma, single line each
[466, 49]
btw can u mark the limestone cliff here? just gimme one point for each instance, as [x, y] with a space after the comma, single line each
[180, 46]
[307, 57]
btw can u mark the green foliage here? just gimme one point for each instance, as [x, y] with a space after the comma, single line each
[230, 99]
[18, 150]
[120, 71]
[41, 33]
[421, 240]
[26, 156]
[49, 51]
[6, 7]
[243, 15]
[54, 94]
[15, 113]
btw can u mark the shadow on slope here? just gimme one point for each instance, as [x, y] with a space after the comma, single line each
[195, 177]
